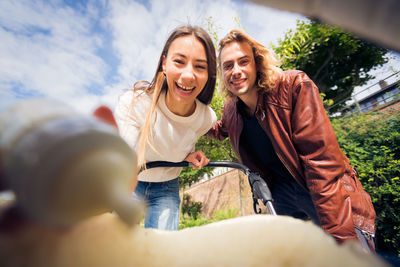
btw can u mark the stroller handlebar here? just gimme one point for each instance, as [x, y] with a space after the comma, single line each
[259, 187]
[228, 164]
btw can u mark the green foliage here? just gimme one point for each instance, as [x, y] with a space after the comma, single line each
[214, 150]
[335, 60]
[219, 215]
[224, 214]
[190, 207]
[327, 102]
[212, 29]
[372, 143]
[217, 150]
[187, 222]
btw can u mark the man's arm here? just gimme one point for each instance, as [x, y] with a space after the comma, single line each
[323, 161]
[220, 129]
[217, 132]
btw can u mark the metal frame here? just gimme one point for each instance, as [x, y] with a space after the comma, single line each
[259, 187]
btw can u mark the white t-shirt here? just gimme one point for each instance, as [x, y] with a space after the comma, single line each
[174, 137]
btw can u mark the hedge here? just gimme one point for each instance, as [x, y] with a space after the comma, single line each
[372, 143]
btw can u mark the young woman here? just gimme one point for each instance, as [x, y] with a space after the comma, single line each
[163, 119]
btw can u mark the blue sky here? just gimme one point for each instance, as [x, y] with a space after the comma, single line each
[85, 53]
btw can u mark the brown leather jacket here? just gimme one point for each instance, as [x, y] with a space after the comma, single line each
[293, 117]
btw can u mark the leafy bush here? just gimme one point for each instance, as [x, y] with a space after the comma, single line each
[190, 207]
[372, 143]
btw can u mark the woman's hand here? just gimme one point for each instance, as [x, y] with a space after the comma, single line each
[198, 159]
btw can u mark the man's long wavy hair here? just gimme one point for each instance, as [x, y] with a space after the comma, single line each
[159, 83]
[266, 60]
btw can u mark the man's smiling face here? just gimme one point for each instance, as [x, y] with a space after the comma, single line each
[238, 68]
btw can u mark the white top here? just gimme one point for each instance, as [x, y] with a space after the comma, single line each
[174, 137]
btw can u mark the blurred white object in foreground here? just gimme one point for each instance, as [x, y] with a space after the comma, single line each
[258, 240]
[376, 20]
[64, 167]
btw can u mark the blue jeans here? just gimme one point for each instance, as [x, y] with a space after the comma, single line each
[293, 200]
[162, 200]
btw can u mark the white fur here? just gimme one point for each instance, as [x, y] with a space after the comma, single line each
[259, 240]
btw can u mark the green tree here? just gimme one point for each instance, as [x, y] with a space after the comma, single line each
[335, 60]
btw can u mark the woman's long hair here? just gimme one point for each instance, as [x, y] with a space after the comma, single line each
[159, 83]
[266, 61]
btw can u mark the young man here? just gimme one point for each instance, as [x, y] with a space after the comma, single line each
[278, 127]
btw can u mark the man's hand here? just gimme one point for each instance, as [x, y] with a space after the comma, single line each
[198, 159]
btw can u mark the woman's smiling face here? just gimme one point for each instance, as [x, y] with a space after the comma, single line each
[186, 70]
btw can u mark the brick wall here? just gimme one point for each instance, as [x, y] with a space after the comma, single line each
[226, 191]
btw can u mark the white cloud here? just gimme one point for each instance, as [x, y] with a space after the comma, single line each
[48, 50]
[267, 25]
[140, 33]
[51, 49]
[87, 53]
